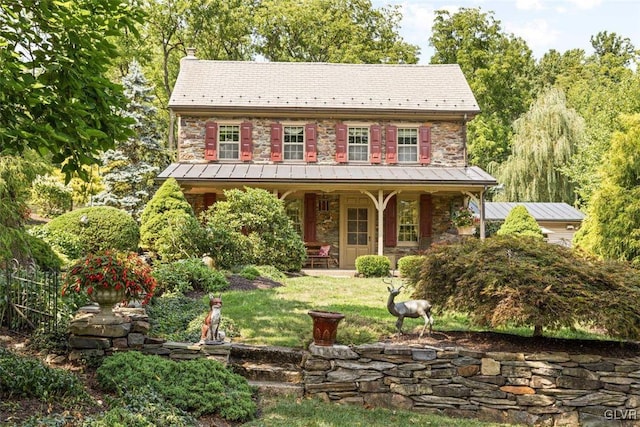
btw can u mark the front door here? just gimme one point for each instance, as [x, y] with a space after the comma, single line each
[356, 230]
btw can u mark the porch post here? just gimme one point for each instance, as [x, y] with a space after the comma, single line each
[482, 226]
[381, 206]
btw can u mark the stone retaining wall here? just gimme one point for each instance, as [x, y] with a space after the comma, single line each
[542, 389]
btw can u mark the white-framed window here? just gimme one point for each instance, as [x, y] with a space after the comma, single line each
[407, 145]
[293, 142]
[293, 209]
[358, 144]
[229, 142]
[408, 218]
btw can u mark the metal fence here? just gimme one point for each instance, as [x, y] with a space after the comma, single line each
[28, 297]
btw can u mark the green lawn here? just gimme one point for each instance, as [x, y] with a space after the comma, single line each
[314, 413]
[278, 316]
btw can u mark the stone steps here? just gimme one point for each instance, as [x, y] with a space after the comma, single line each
[275, 371]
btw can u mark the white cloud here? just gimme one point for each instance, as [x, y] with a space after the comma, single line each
[540, 37]
[585, 4]
[529, 5]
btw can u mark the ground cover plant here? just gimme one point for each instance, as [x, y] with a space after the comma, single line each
[200, 386]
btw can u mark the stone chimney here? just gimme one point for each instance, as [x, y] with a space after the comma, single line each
[191, 53]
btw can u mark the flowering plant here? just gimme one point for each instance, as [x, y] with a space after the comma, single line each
[111, 270]
[463, 217]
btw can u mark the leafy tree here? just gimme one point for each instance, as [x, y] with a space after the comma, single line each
[56, 98]
[251, 227]
[350, 31]
[612, 227]
[519, 222]
[524, 281]
[499, 68]
[168, 224]
[129, 170]
[16, 176]
[544, 142]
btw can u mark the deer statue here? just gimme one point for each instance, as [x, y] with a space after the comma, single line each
[413, 308]
[211, 323]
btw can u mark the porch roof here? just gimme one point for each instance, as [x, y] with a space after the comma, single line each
[335, 174]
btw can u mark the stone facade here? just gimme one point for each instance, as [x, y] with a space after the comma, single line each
[447, 138]
[534, 389]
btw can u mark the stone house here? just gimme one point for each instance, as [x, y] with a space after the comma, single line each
[368, 158]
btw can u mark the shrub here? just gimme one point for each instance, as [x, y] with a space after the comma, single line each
[250, 272]
[519, 222]
[25, 377]
[373, 265]
[251, 227]
[52, 197]
[199, 386]
[171, 314]
[68, 246]
[524, 281]
[409, 267]
[42, 254]
[188, 275]
[97, 228]
[270, 272]
[168, 224]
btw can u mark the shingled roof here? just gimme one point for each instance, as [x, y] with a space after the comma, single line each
[228, 85]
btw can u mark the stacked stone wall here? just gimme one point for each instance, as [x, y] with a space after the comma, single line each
[534, 389]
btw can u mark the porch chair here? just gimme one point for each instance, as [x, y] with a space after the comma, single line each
[321, 257]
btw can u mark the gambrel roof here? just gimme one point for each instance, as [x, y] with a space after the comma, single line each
[229, 85]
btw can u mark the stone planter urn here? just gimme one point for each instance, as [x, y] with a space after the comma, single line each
[106, 299]
[325, 326]
[467, 230]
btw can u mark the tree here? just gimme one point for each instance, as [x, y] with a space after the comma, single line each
[519, 222]
[612, 227]
[129, 169]
[499, 68]
[168, 227]
[525, 281]
[252, 227]
[55, 97]
[545, 140]
[349, 31]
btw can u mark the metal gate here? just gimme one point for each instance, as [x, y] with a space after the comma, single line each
[28, 298]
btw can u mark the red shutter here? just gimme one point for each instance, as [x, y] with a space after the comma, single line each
[341, 143]
[211, 141]
[246, 141]
[310, 217]
[391, 223]
[392, 144]
[376, 142]
[276, 142]
[426, 216]
[209, 200]
[425, 145]
[310, 140]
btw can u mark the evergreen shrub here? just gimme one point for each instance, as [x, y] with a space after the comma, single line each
[199, 386]
[373, 265]
[189, 275]
[42, 254]
[97, 228]
[519, 222]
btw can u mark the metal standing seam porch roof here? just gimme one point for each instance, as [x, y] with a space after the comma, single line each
[325, 174]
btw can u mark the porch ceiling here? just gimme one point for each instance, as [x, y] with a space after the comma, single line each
[334, 175]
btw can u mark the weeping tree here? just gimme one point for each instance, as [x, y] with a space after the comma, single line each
[612, 227]
[544, 142]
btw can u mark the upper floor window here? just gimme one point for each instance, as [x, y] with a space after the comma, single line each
[407, 220]
[229, 142]
[358, 144]
[293, 142]
[407, 145]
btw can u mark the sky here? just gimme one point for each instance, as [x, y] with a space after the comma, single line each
[543, 24]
